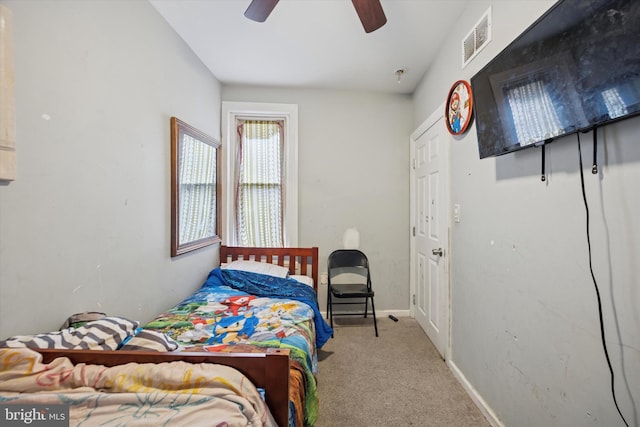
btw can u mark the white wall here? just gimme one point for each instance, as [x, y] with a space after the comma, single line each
[353, 172]
[525, 331]
[86, 225]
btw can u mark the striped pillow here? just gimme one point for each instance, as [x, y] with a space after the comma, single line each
[148, 340]
[104, 334]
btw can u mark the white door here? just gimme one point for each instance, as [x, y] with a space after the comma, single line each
[429, 266]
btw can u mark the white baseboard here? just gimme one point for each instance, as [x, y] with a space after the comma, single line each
[381, 313]
[475, 396]
[397, 313]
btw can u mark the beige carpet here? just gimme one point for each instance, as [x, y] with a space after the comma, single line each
[397, 379]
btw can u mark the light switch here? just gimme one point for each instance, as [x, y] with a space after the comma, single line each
[456, 213]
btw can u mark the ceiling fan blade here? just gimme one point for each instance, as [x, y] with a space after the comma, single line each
[370, 13]
[259, 10]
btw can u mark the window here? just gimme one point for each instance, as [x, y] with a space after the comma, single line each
[260, 171]
[259, 183]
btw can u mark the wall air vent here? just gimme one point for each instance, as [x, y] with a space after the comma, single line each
[477, 38]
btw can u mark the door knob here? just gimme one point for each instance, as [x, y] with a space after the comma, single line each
[438, 252]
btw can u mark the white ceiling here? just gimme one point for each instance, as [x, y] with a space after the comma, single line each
[314, 43]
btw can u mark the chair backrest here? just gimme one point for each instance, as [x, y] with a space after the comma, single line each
[348, 261]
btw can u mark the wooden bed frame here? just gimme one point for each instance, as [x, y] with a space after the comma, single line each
[268, 370]
[302, 261]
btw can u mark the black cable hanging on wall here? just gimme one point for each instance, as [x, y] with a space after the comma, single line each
[543, 173]
[594, 168]
[593, 277]
[543, 176]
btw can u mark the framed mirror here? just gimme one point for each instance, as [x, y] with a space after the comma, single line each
[195, 193]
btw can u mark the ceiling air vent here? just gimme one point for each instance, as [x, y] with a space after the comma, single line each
[477, 39]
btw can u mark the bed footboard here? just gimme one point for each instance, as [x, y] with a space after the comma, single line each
[269, 370]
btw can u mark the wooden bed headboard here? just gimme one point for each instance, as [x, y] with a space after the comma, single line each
[303, 261]
[269, 370]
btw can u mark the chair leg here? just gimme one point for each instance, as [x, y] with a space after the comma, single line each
[366, 306]
[373, 310]
[330, 312]
[328, 300]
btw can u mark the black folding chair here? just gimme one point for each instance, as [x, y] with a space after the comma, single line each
[355, 264]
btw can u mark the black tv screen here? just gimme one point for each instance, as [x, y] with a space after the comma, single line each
[575, 68]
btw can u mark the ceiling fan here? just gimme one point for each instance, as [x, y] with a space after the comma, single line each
[370, 12]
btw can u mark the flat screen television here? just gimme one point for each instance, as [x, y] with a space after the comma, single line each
[575, 68]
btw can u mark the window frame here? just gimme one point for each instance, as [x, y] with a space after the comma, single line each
[180, 130]
[231, 112]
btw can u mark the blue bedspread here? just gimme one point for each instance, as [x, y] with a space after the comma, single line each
[271, 286]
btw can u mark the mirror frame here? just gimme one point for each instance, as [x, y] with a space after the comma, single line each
[178, 130]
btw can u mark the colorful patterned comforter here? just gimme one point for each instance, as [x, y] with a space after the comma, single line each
[176, 393]
[238, 308]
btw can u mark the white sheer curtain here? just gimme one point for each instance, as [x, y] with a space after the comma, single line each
[197, 190]
[259, 183]
[533, 112]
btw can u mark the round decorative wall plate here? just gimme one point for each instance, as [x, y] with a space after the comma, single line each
[459, 107]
